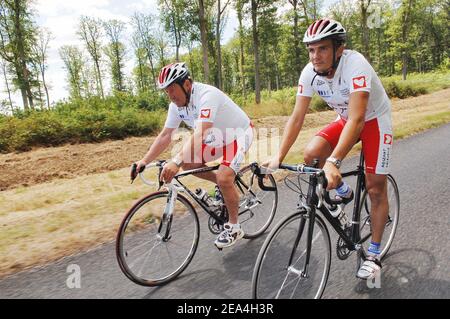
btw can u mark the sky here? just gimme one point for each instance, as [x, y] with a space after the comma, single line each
[61, 17]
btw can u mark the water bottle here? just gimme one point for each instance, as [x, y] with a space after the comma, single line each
[204, 197]
[338, 211]
[218, 196]
[344, 190]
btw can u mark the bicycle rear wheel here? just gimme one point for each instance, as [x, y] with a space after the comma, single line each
[257, 207]
[273, 276]
[152, 249]
[393, 217]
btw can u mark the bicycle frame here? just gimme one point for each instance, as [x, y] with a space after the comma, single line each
[353, 241]
[178, 186]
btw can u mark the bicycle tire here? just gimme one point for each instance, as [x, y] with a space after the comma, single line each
[271, 265]
[135, 229]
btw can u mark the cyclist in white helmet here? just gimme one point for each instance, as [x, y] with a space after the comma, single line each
[348, 83]
[221, 129]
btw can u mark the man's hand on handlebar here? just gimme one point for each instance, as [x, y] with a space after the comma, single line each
[333, 175]
[269, 167]
[137, 168]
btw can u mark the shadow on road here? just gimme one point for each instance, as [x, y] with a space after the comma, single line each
[406, 274]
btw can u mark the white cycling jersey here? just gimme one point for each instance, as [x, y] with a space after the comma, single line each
[353, 74]
[209, 104]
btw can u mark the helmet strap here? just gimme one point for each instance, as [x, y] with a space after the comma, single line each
[333, 66]
[187, 94]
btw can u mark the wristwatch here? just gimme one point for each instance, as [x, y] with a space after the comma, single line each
[336, 162]
[177, 161]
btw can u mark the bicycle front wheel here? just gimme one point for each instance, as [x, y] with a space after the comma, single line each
[153, 249]
[392, 220]
[274, 277]
[257, 207]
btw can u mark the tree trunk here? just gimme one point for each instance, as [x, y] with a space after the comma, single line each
[315, 10]
[25, 88]
[120, 84]
[365, 29]
[204, 40]
[305, 11]
[99, 77]
[277, 71]
[296, 37]
[152, 68]
[40, 95]
[26, 83]
[7, 87]
[177, 38]
[46, 90]
[405, 22]
[404, 65]
[256, 51]
[141, 83]
[241, 45]
[219, 51]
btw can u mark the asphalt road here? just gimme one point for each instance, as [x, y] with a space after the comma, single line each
[417, 265]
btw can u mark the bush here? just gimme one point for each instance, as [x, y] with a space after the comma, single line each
[402, 90]
[75, 122]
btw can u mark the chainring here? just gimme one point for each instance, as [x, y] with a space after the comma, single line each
[214, 226]
[342, 250]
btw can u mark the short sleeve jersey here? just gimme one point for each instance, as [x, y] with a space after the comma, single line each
[354, 74]
[209, 104]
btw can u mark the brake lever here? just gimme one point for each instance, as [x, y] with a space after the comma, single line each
[320, 190]
[161, 166]
[134, 173]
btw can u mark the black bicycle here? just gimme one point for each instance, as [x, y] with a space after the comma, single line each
[295, 259]
[159, 235]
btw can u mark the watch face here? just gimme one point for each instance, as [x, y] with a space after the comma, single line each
[335, 161]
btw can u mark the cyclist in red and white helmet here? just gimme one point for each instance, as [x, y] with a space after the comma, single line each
[346, 81]
[174, 73]
[326, 29]
[221, 129]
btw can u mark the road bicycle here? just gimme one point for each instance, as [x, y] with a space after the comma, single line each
[295, 259]
[159, 235]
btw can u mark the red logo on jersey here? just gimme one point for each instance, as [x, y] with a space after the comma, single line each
[359, 82]
[205, 114]
[300, 88]
[388, 139]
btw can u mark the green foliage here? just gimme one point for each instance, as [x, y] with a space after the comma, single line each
[416, 84]
[79, 121]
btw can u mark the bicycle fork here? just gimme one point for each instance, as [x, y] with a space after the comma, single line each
[166, 220]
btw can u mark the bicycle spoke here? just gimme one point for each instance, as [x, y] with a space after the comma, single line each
[298, 272]
[140, 245]
[146, 255]
[284, 284]
[145, 261]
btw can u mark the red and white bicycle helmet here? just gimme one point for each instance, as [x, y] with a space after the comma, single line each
[323, 29]
[172, 73]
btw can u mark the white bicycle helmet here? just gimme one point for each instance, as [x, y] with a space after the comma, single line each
[172, 73]
[322, 29]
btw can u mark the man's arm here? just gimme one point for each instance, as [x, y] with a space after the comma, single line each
[161, 142]
[293, 126]
[352, 130]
